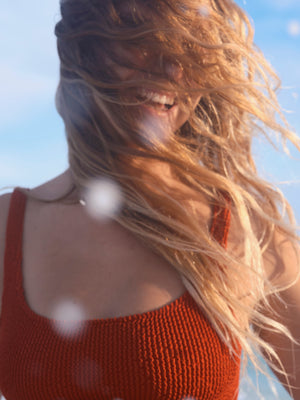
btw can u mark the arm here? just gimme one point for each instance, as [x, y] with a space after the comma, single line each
[281, 265]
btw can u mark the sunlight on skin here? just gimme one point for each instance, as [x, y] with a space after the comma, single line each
[102, 199]
[68, 319]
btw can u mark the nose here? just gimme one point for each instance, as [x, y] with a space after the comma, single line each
[174, 71]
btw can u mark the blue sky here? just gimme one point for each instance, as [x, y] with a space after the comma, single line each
[32, 143]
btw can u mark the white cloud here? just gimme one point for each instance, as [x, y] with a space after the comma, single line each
[293, 27]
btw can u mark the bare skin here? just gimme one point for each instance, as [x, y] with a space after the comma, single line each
[114, 275]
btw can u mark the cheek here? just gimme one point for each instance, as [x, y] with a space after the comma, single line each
[195, 101]
[183, 116]
[123, 73]
[181, 119]
[135, 56]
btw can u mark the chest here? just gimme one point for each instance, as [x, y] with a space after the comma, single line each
[104, 268]
[172, 353]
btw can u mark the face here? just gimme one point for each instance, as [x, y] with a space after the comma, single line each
[160, 105]
[158, 108]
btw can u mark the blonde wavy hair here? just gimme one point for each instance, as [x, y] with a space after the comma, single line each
[212, 41]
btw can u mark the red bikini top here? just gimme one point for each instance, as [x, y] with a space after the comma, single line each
[171, 353]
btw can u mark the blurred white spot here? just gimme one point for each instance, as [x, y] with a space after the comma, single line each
[87, 375]
[203, 11]
[154, 130]
[2, 398]
[189, 398]
[295, 95]
[68, 319]
[294, 27]
[103, 198]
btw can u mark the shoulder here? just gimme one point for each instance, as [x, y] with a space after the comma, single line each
[280, 253]
[47, 191]
[282, 268]
[54, 188]
[281, 259]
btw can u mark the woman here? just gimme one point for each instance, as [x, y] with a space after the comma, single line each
[196, 262]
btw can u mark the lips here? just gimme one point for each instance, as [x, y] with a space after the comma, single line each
[159, 106]
[157, 100]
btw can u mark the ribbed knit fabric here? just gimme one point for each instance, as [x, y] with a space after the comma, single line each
[171, 353]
